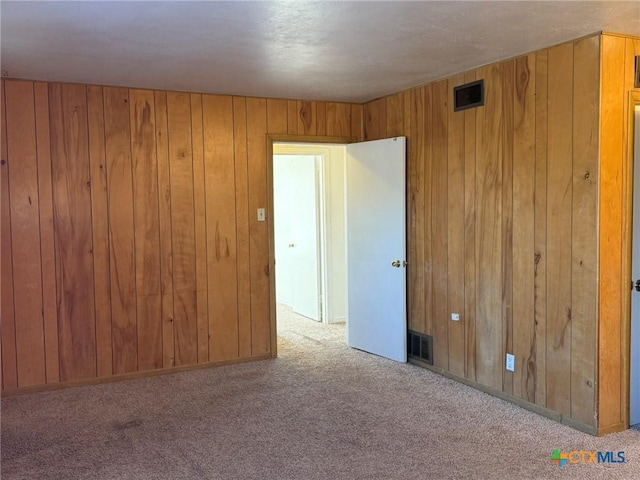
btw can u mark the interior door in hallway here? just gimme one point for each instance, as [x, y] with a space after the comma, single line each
[634, 381]
[297, 233]
[376, 246]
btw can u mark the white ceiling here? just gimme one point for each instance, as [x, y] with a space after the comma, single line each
[338, 50]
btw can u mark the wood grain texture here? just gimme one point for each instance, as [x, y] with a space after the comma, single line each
[356, 121]
[276, 116]
[395, 117]
[540, 230]
[338, 119]
[508, 93]
[47, 242]
[164, 224]
[72, 226]
[415, 213]
[258, 231]
[439, 199]
[182, 229]
[292, 117]
[455, 232]
[524, 177]
[100, 231]
[470, 238]
[147, 229]
[306, 118]
[428, 209]
[559, 234]
[121, 229]
[489, 336]
[8, 326]
[243, 245]
[25, 232]
[200, 209]
[586, 82]
[321, 118]
[221, 227]
[611, 184]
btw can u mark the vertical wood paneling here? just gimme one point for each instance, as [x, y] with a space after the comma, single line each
[559, 218]
[121, 229]
[508, 92]
[540, 227]
[259, 242]
[586, 81]
[356, 121]
[47, 245]
[243, 246]
[612, 150]
[338, 119]
[292, 117]
[395, 110]
[371, 112]
[455, 230]
[199, 203]
[9, 356]
[428, 209]
[306, 117]
[524, 260]
[221, 227]
[25, 232]
[164, 224]
[470, 237]
[439, 199]
[415, 214]
[100, 231]
[489, 346]
[276, 116]
[72, 227]
[182, 229]
[321, 118]
[147, 229]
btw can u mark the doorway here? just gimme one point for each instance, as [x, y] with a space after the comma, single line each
[634, 354]
[309, 238]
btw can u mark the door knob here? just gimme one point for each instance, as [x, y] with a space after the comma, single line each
[291, 245]
[637, 285]
[396, 263]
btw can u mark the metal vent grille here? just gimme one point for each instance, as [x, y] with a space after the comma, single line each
[420, 347]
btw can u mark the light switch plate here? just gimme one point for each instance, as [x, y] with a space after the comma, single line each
[511, 362]
[261, 215]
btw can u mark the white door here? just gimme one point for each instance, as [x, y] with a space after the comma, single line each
[634, 382]
[375, 230]
[297, 251]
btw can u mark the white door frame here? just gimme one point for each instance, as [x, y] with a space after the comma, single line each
[297, 139]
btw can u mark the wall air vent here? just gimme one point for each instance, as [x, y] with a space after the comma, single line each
[469, 95]
[420, 347]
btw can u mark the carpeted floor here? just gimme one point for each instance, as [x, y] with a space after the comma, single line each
[319, 411]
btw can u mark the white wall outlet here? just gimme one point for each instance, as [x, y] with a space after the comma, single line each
[511, 362]
[261, 215]
[455, 317]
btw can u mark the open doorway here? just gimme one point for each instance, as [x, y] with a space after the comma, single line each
[309, 238]
[634, 354]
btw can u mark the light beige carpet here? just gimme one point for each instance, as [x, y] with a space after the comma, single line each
[319, 411]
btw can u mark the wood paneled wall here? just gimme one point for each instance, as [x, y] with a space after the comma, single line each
[130, 241]
[502, 224]
[616, 173]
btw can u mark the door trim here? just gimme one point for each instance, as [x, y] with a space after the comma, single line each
[627, 247]
[271, 139]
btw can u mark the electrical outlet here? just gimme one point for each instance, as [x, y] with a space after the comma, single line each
[455, 317]
[511, 362]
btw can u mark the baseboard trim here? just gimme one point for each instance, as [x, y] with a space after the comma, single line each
[128, 376]
[615, 428]
[545, 412]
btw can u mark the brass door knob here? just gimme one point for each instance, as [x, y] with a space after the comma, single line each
[395, 263]
[638, 285]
